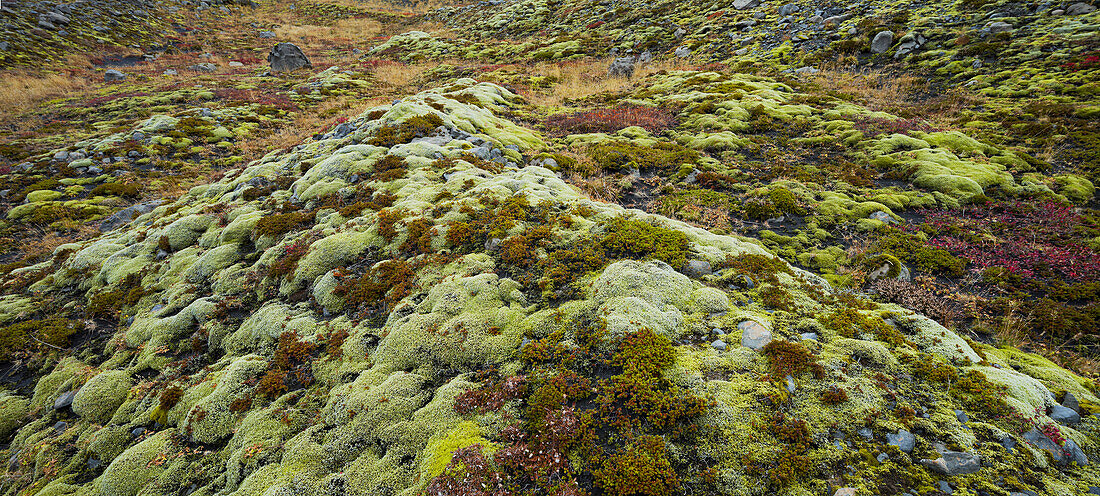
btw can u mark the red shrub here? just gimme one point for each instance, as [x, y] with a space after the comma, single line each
[610, 120]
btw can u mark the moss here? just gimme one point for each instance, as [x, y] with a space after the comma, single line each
[411, 128]
[278, 224]
[642, 468]
[977, 394]
[619, 156]
[442, 448]
[641, 240]
[787, 358]
[850, 323]
[98, 398]
[40, 336]
[136, 467]
[13, 409]
[115, 189]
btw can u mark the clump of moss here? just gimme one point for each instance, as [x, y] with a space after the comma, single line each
[380, 288]
[776, 202]
[776, 297]
[621, 156]
[978, 394]
[850, 323]
[412, 128]
[833, 395]
[128, 293]
[636, 239]
[643, 468]
[36, 336]
[915, 251]
[115, 189]
[278, 224]
[787, 358]
[390, 168]
[932, 368]
[761, 268]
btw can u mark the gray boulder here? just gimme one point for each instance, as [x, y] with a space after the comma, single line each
[1080, 8]
[267, 34]
[903, 439]
[952, 463]
[1000, 27]
[882, 42]
[1070, 401]
[112, 75]
[683, 52]
[745, 4]
[203, 67]
[64, 401]
[622, 67]
[287, 57]
[126, 215]
[697, 268]
[754, 335]
[1064, 415]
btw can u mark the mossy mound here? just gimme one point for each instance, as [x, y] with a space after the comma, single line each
[391, 312]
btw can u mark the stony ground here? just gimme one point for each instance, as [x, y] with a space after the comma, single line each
[536, 247]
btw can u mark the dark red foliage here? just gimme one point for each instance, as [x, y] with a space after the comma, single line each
[1090, 61]
[871, 126]
[1031, 239]
[468, 474]
[610, 120]
[492, 397]
[595, 25]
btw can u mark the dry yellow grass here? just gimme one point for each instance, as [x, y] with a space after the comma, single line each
[583, 78]
[875, 89]
[20, 90]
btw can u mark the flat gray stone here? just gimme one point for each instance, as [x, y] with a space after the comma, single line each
[952, 463]
[1039, 440]
[745, 4]
[882, 41]
[1070, 401]
[845, 491]
[1080, 8]
[697, 268]
[718, 344]
[1064, 415]
[622, 67]
[112, 75]
[754, 335]
[287, 57]
[1000, 27]
[65, 400]
[903, 439]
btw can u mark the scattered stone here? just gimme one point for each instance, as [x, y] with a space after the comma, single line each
[622, 67]
[809, 69]
[952, 463]
[882, 216]
[65, 400]
[1080, 8]
[112, 75]
[60, 427]
[788, 9]
[1057, 12]
[790, 384]
[126, 215]
[170, 72]
[203, 67]
[718, 344]
[745, 4]
[1008, 442]
[234, 63]
[1064, 415]
[683, 52]
[1075, 453]
[999, 27]
[55, 18]
[845, 491]
[882, 42]
[697, 268]
[961, 416]
[946, 488]
[287, 57]
[4, 46]
[1070, 401]
[866, 433]
[754, 335]
[60, 156]
[903, 439]
[809, 336]
[267, 34]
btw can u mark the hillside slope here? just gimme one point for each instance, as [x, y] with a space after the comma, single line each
[515, 274]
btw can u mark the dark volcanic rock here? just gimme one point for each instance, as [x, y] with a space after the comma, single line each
[286, 57]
